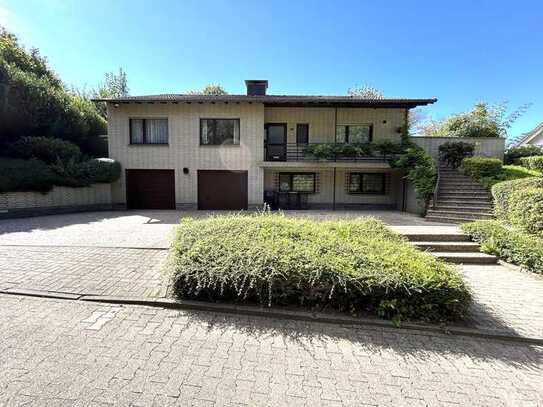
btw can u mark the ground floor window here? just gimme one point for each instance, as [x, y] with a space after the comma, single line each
[300, 182]
[366, 183]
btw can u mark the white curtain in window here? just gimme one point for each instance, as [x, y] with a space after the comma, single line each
[136, 131]
[156, 131]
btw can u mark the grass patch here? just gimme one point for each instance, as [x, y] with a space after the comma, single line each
[509, 244]
[509, 173]
[354, 266]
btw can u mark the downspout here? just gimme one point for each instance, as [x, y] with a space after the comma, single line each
[335, 141]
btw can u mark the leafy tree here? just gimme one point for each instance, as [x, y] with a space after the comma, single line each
[115, 85]
[34, 102]
[210, 89]
[484, 120]
[365, 91]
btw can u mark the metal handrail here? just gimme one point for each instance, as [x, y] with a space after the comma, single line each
[436, 187]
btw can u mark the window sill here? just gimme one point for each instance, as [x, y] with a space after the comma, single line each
[367, 193]
[148, 145]
[219, 145]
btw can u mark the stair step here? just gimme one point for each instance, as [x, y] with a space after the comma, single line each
[448, 246]
[466, 258]
[464, 201]
[464, 196]
[437, 237]
[448, 219]
[468, 188]
[470, 208]
[460, 212]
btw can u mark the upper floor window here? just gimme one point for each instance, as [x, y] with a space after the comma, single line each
[148, 131]
[219, 131]
[354, 133]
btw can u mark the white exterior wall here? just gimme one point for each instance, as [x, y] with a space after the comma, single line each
[184, 148]
[487, 147]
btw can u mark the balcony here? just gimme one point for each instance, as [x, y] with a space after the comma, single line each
[332, 152]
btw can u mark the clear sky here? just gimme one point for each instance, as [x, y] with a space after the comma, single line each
[458, 51]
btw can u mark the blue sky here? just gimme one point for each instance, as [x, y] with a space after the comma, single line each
[458, 51]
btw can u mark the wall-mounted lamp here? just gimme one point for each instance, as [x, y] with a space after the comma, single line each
[384, 122]
[185, 170]
[115, 105]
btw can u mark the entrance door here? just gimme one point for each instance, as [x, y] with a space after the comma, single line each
[276, 142]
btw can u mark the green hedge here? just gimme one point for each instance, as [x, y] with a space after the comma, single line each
[503, 191]
[46, 149]
[526, 210]
[480, 167]
[514, 154]
[354, 266]
[513, 246]
[453, 152]
[533, 163]
[421, 171]
[508, 173]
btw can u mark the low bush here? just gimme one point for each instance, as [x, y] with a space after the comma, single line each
[508, 173]
[534, 163]
[453, 152]
[345, 265]
[514, 154]
[503, 191]
[526, 210]
[480, 167]
[421, 171]
[25, 175]
[511, 245]
[48, 150]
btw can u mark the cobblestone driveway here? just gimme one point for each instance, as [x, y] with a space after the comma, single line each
[56, 352]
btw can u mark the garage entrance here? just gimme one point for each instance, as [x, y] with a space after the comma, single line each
[150, 189]
[222, 189]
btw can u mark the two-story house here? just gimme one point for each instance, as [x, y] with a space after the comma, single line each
[239, 151]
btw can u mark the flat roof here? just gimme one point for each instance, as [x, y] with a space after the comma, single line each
[275, 100]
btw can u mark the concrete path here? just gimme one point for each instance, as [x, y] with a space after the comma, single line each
[58, 353]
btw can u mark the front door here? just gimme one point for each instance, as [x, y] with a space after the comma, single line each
[276, 142]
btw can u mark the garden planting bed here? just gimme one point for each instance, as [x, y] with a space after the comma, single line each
[359, 267]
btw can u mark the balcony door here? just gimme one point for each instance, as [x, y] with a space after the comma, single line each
[276, 142]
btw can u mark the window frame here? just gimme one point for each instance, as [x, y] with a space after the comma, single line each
[291, 177]
[144, 131]
[298, 125]
[361, 187]
[221, 144]
[347, 125]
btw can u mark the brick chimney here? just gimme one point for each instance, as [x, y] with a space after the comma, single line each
[256, 87]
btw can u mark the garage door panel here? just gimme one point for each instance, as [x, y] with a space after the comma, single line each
[219, 189]
[150, 189]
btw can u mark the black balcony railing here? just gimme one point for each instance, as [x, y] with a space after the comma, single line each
[330, 152]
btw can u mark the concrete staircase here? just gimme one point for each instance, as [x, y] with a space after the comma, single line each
[451, 247]
[459, 199]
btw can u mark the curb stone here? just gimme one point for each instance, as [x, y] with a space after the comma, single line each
[277, 313]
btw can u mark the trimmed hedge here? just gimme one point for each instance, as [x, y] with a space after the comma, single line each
[480, 167]
[515, 247]
[48, 150]
[351, 266]
[509, 173]
[526, 210]
[26, 175]
[514, 154]
[533, 163]
[503, 191]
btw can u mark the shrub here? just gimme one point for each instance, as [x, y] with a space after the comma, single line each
[99, 170]
[509, 173]
[502, 192]
[514, 154]
[453, 153]
[534, 163]
[46, 149]
[388, 147]
[480, 167]
[25, 175]
[346, 265]
[329, 151]
[526, 209]
[513, 246]
[421, 171]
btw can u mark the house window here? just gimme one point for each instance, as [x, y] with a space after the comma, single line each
[215, 132]
[304, 182]
[148, 131]
[366, 183]
[354, 133]
[302, 133]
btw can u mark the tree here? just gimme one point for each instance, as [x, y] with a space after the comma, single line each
[483, 120]
[35, 102]
[115, 85]
[366, 91]
[210, 89]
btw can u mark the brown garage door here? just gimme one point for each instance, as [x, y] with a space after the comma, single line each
[222, 189]
[150, 189]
